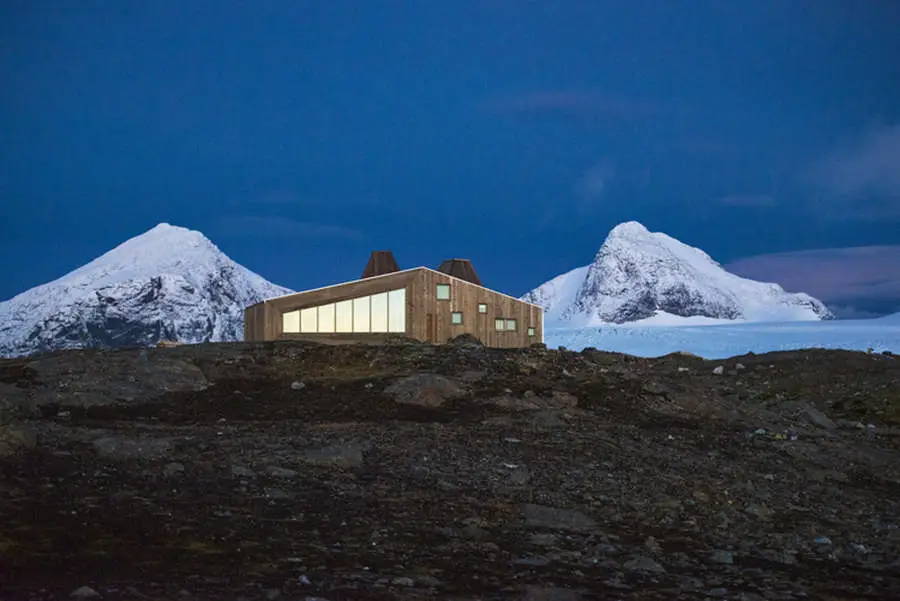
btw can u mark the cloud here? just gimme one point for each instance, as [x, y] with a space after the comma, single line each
[865, 170]
[593, 183]
[861, 280]
[748, 200]
[283, 227]
[583, 102]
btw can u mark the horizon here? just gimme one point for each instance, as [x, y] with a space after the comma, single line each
[299, 138]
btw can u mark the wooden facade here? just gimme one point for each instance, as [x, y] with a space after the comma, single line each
[430, 313]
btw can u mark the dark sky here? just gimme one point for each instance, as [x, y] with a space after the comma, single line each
[300, 135]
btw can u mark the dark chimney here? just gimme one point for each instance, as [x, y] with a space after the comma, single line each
[460, 268]
[380, 263]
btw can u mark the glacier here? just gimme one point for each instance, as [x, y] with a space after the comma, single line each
[723, 340]
[169, 283]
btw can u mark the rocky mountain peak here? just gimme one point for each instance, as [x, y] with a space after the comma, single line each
[638, 274]
[168, 283]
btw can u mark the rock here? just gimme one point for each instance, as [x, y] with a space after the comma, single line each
[519, 476]
[276, 493]
[136, 447]
[540, 516]
[466, 340]
[173, 469]
[403, 581]
[722, 556]
[819, 419]
[281, 472]
[652, 545]
[740, 366]
[719, 370]
[644, 564]
[85, 592]
[550, 593]
[514, 403]
[124, 378]
[424, 390]
[297, 385]
[760, 511]
[340, 455]
[563, 400]
[239, 471]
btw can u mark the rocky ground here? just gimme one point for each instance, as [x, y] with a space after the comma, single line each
[409, 471]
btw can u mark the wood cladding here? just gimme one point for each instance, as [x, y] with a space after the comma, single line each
[428, 318]
[381, 262]
[462, 269]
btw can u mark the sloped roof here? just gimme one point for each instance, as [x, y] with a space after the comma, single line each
[462, 269]
[380, 263]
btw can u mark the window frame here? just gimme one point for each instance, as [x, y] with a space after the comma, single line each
[531, 332]
[514, 322]
[453, 315]
[482, 306]
[437, 294]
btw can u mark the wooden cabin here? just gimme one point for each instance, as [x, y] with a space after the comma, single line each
[431, 305]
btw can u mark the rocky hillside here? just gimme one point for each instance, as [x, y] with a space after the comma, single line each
[409, 471]
[169, 283]
[638, 275]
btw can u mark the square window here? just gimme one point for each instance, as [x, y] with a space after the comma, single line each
[456, 318]
[531, 331]
[499, 324]
[443, 292]
[511, 325]
[482, 307]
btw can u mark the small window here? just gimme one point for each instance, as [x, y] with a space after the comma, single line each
[530, 331]
[482, 307]
[443, 291]
[499, 324]
[456, 318]
[511, 325]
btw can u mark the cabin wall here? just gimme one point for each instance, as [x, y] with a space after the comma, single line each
[432, 317]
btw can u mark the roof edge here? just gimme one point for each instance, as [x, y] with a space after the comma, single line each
[393, 273]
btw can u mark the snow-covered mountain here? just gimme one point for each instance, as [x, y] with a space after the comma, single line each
[169, 283]
[638, 275]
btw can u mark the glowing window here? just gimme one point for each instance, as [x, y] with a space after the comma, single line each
[290, 322]
[309, 320]
[343, 316]
[397, 310]
[379, 320]
[361, 314]
[326, 319]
